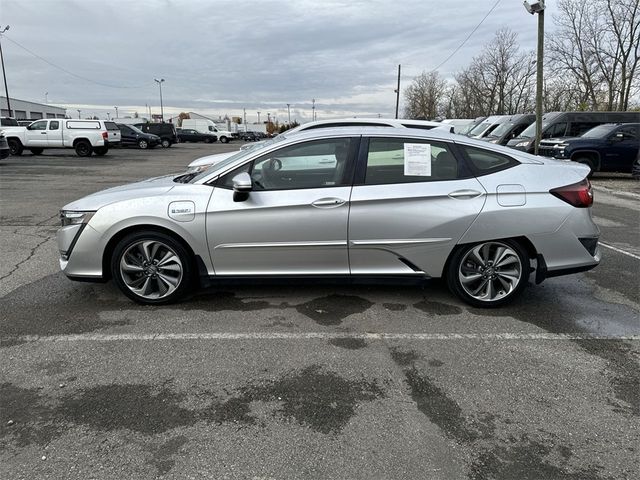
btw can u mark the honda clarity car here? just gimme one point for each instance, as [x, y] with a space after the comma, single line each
[342, 203]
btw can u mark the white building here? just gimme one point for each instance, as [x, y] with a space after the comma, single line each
[23, 110]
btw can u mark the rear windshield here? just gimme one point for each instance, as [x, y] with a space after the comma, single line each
[9, 122]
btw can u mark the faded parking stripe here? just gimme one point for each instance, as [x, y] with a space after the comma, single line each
[147, 337]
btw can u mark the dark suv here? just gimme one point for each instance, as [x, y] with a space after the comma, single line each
[166, 132]
[611, 147]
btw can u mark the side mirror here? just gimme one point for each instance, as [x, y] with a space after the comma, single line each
[242, 185]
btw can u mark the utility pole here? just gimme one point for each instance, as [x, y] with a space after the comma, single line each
[116, 112]
[79, 114]
[4, 74]
[161, 107]
[533, 8]
[289, 113]
[397, 90]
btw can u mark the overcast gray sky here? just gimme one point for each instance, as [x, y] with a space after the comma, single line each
[218, 57]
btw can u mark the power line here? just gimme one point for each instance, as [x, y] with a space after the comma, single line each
[468, 37]
[68, 71]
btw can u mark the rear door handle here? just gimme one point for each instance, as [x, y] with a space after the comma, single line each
[328, 202]
[43, 133]
[465, 194]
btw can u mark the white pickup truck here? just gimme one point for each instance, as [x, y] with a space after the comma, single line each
[84, 136]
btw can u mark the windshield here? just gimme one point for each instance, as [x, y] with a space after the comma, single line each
[236, 156]
[135, 129]
[597, 132]
[478, 129]
[530, 131]
[501, 130]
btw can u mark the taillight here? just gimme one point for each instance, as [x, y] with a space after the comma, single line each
[578, 194]
[105, 135]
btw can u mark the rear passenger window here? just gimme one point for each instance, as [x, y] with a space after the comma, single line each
[486, 161]
[54, 125]
[398, 160]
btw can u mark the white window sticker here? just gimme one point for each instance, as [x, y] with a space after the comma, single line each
[417, 159]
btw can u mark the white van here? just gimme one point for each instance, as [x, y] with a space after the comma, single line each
[206, 126]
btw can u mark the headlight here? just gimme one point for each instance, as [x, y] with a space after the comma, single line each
[522, 144]
[72, 217]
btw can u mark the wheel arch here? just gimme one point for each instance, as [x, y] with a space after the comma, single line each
[113, 241]
[523, 241]
[79, 139]
[591, 154]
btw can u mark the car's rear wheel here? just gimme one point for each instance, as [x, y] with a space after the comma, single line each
[152, 268]
[143, 144]
[488, 274]
[15, 147]
[165, 143]
[37, 151]
[83, 148]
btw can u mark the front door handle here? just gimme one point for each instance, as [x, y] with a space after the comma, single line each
[328, 202]
[465, 194]
[43, 133]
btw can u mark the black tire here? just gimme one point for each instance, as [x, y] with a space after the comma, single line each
[37, 151]
[490, 278]
[207, 140]
[143, 144]
[166, 143]
[15, 147]
[129, 245]
[589, 162]
[100, 151]
[83, 148]
[224, 139]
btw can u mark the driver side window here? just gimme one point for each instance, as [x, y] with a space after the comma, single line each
[313, 164]
[38, 125]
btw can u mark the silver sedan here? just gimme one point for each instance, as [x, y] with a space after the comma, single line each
[340, 203]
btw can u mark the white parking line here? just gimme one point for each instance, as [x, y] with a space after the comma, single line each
[146, 337]
[619, 250]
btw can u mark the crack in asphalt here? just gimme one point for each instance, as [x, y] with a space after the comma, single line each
[29, 257]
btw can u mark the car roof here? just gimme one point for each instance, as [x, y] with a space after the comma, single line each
[383, 122]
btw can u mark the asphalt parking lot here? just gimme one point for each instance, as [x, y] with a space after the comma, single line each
[306, 381]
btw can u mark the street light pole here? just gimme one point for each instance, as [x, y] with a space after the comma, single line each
[258, 118]
[533, 8]
[4, 74]
[289, 113]
[116, 111]
[161, 107]
[397, 90]
[79, 114]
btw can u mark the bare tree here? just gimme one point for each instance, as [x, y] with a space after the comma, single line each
[597, 45]
[425, 95]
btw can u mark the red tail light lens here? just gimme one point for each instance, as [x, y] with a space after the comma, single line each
[578, 194]
[105, 135]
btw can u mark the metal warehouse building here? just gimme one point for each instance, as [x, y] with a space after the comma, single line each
[23, 110]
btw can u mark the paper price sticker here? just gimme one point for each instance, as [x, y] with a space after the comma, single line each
[417, 159]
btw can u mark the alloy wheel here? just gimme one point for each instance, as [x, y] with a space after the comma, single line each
[490, 271]
[151, 269]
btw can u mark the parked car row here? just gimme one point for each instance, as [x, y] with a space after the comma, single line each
[604, 141]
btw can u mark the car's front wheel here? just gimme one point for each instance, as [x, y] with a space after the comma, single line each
[165, 143]
[143, 144]
[224, 139]
[152, 268]
[15, 147]
[488, 274]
